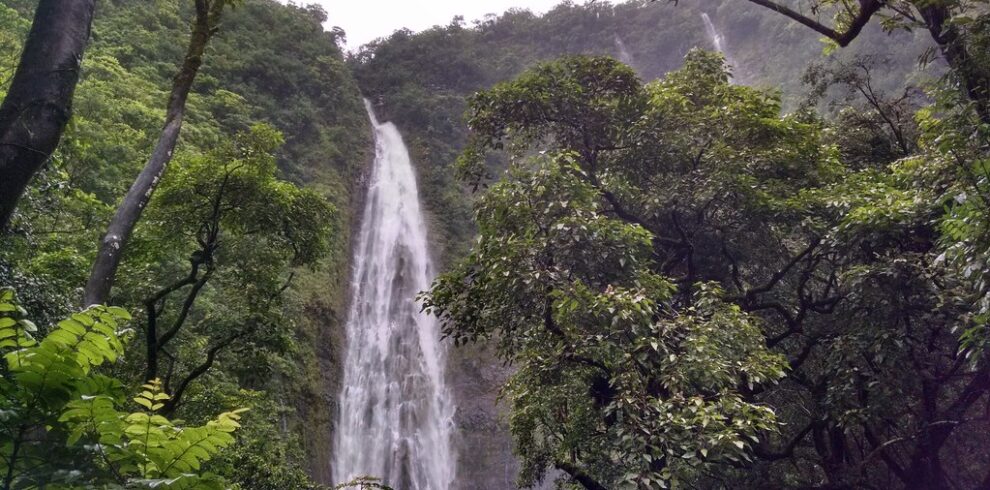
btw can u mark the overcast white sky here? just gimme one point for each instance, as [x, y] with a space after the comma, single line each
[365, 20]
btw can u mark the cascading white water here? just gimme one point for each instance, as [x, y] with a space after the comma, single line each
[396, 412]
[713, 33]
[716, 39]
[624, 55]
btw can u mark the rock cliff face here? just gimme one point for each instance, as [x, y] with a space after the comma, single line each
[485, 459]
[316, 405]
[326, 302]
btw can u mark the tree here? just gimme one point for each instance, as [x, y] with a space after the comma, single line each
[633, 367]
[617, 384]
[959, 28]
[749, 218]
[247, 228]
[877, 128]
[129, 211]
[39, 102]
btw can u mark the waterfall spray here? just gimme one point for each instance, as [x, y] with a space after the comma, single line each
[396, 412]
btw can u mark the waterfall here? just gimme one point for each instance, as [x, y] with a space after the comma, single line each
[716, 39]
[396, 412]
[624, 55]
[713, 34]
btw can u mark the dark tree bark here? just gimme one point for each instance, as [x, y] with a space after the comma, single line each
[975, 81]
[38, 106]
[153, 308]
[129, 212]
[866, 10]
[209, 235]
[579, 476]
[211, 356]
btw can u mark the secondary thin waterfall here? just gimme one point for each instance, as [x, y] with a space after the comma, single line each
[624, 55]
[716, 38]
[396, 412]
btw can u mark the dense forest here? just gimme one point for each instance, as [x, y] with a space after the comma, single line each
[710, 244]
[273, 123]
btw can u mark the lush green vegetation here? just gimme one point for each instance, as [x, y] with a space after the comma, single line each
[765, 268]
[234, 268]
[700, 290]
[87, 441]
[422, 81]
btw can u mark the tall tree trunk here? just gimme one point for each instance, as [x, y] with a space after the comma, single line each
[129, 212]
[39, 103]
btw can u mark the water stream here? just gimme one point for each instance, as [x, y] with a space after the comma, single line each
[624, 55]
[717, 40]
[396, 412]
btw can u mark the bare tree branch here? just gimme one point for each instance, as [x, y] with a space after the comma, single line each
[866, 10]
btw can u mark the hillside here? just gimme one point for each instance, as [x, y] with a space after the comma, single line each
[422, 80]
[676, 244]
